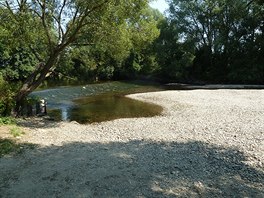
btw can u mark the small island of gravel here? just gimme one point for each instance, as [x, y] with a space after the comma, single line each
[206, 143]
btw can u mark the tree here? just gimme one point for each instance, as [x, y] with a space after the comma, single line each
[143, 33]
[50, 27]
[124, 50]
[227, 36]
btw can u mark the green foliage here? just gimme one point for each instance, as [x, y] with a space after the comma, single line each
[7, 92]
[87, 40]
[19, 64]
[142, 58]
[8, 146]
[7, 121]
[224, 41]
[120, 47]
[31, 100]
[41, 38]
[174, 57]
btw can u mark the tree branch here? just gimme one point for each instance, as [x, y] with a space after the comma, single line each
[81, 24]
[43, 20]
[60, 29]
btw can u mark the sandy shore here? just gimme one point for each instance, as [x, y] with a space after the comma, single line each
[207, 143]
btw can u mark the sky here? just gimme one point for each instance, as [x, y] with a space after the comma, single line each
[161, 5]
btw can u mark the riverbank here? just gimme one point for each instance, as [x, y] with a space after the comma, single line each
[206, 143]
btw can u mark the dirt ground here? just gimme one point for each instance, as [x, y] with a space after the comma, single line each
[205, 144]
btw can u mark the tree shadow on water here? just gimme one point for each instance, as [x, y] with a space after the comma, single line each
[131, 169]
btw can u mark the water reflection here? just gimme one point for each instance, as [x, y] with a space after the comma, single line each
[97, 102]
[65, 113]
[103, 108]
[109, 107]
[62, 111]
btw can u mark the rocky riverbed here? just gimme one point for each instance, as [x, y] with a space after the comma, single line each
[206, 143]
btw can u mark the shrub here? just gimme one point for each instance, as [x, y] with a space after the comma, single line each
[6, 97]
[7, 121]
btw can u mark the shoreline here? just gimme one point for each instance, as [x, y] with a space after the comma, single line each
[181, 111]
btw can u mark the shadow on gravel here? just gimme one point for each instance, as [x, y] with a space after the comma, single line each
[38, 123]
[132, 169]
[11, 147]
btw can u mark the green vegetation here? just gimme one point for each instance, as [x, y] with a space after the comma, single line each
[6, 97]
[215, 41]
[88, 37]
[8, 146]
[16, 131]
[7, 121]
[11, 146]
[197, 41]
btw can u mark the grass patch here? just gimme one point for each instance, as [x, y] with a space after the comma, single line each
[8, 146]
[11, 146]
[16, 131]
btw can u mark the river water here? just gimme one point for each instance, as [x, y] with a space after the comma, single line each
[98, 102]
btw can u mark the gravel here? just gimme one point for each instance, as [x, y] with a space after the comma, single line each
[207, 143]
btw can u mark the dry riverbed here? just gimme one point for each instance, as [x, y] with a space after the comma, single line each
[207, 143]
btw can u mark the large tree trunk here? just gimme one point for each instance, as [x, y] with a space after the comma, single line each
[33, 81]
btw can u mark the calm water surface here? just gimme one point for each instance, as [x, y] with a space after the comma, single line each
[98, 102]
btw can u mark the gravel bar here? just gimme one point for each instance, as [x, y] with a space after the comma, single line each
[206, 143]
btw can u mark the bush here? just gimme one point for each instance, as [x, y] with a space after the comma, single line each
[7, 121]
[6, 97]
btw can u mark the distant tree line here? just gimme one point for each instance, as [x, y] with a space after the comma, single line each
[218, 41]
[198, 41]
